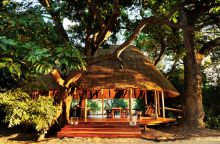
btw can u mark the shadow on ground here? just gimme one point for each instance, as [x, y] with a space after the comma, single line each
[176, 132]
[18, 133]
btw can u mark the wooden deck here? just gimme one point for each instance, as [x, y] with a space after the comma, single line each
[101, 128]
[159, 120]
[108, 127]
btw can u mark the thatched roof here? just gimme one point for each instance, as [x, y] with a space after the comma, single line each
[133, 71]
[41, 83]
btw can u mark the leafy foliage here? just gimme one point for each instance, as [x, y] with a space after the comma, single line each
[30, 45]
[211, 100]
[213, 122]
[21, 109]
[94, 106]
[5, 60]
[140, 105]
[119, 103]
[109, 104]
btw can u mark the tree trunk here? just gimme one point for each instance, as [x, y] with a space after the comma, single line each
[67, 102]
[193, 105]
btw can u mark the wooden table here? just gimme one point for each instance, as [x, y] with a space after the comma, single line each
[121, 112]
[115, 110]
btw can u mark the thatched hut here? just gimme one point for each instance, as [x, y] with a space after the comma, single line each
[130, 76]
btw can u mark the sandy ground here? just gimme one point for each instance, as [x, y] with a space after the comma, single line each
[163, 135]
[198, 140]
[204, 140]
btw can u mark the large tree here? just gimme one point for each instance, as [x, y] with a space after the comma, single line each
[193, 20]
[200, 15]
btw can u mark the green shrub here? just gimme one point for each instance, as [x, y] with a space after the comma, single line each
[21, 109]
[213, 122]
[94, 106]
[139, 105]
[119, 103]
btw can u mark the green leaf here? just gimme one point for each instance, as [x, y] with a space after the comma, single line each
[7, 59]
[2, 46]
[175, 20]
[2, 65]
[17, 70]
[10, 42]
[13, 23]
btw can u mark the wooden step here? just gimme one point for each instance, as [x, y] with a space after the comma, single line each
[110, 123]
[100, 125]
[102, 135]
[101, 129]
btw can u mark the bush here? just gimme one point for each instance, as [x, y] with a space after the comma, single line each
[140, 105]
[211, 98]
[21, 109]
[119, 103]
[93, 105]
[213, 122]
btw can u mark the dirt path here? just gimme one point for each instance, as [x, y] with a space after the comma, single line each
[200, 140]
[163, 135]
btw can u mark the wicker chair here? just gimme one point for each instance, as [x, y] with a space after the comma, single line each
[149, 110]
[109, 113]
[124, 113]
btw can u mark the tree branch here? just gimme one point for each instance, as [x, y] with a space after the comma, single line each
[210, 45]
[56, 18]
[208, 23]
[163, 46]
[172, 68]
[151, 21]
[134, 35]
[102, 36]
[176, 8]
[88, 40]
[201, 8]
[72, 78]
[96, 15]
[57, 77]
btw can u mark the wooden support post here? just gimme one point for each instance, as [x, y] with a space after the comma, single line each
[130, 104]
[145, 97]
[85, 104]
[155, 103]
[163, 105]
[158, 102]
[85, 108]
[102, 102]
